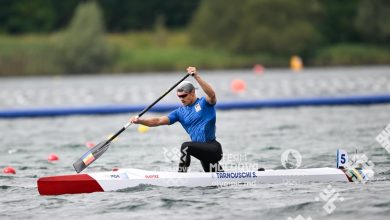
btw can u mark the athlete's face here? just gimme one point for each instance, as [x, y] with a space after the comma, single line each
[186, 98]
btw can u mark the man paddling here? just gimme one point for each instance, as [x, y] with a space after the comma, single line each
[198, 117]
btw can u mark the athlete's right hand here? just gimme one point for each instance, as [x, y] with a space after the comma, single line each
[134, 120]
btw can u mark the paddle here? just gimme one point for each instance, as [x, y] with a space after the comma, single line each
[94, 153]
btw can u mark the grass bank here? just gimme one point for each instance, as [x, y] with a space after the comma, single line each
[165, 51]
[352, 54]
[173, 51]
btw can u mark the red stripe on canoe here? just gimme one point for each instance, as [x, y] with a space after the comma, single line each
[68, 184]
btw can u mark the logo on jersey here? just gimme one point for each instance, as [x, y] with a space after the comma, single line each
[197, 107]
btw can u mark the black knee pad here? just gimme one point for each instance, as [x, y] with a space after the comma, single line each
[184, 145]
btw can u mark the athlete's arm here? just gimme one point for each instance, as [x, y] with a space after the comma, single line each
[150, 122]
[211, 97]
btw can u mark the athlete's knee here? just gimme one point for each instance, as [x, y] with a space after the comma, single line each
[219, 157]
[184, 147]
[185, 158]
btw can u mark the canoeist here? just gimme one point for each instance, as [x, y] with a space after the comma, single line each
[198, 117]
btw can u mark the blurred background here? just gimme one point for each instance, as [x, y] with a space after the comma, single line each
[49, 37]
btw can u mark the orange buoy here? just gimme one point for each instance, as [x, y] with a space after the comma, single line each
[9, 170]
[296, 63]
[238, 85]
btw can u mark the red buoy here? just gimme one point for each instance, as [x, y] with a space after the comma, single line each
[52, 157]
[89, 144]
[258, 69]
[238, 85]
[9, 170]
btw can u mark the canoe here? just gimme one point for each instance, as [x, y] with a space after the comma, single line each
[120, 179]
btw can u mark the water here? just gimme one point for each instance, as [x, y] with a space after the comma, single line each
[254, 136]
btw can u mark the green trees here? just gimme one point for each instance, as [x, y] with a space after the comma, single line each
[27, 16]
[321, 31]
[142, 15]
[373, 21]
[337, 21]
[222, 33]
[250, 26]
[82, 48]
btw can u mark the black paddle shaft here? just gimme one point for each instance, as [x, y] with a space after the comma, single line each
[147, 108]
[99, 149]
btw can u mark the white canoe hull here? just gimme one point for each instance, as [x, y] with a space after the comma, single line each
[126, 178]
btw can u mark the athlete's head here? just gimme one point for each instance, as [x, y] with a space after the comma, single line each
[186, 92]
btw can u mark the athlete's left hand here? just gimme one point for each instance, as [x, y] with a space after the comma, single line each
[192, 71]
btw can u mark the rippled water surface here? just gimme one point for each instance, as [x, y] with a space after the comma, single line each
[258, 136]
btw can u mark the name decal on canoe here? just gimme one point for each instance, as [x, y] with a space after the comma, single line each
[236, 175]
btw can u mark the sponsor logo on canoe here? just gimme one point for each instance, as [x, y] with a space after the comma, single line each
[153, 176]
[119, 176]
[236, 175]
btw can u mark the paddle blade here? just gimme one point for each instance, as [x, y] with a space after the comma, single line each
[90, 156]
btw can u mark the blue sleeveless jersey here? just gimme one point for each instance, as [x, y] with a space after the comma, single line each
[197, 119]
